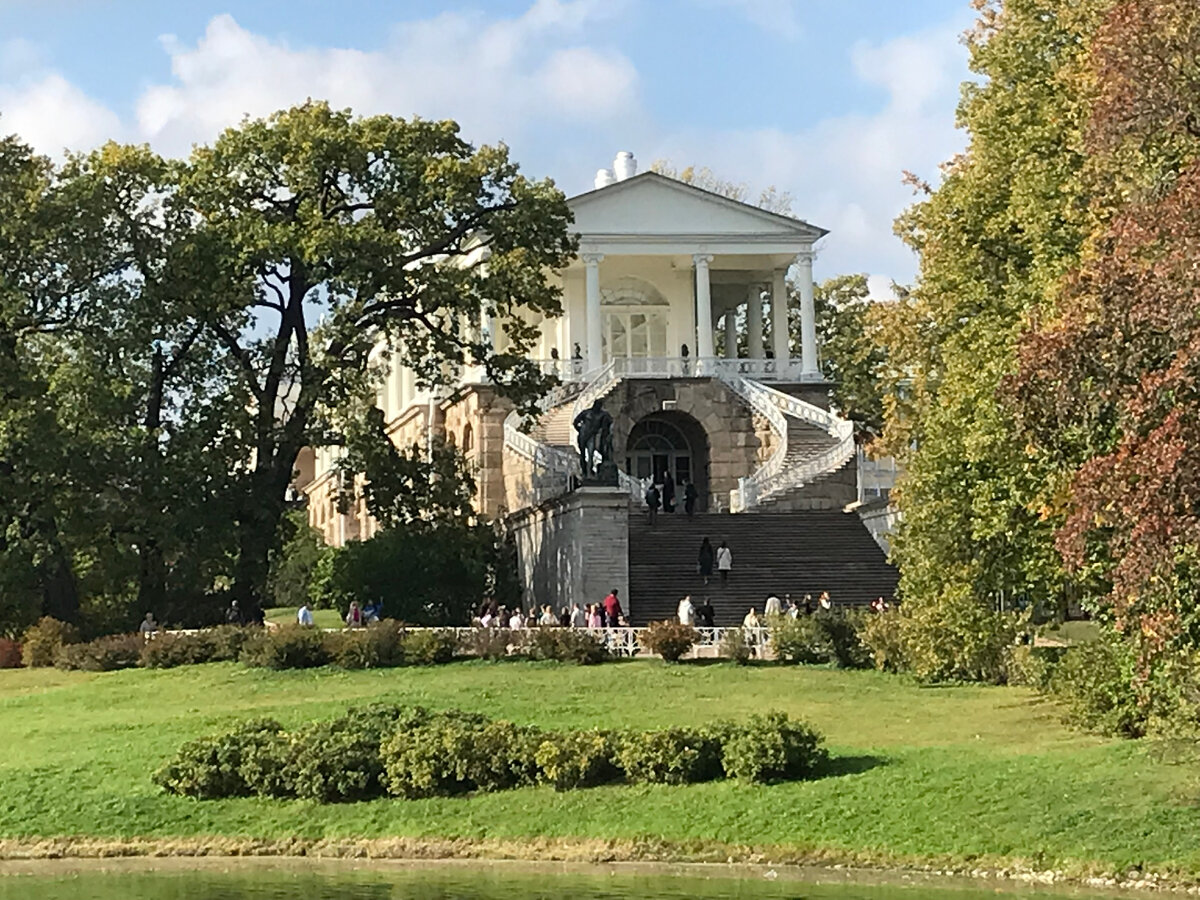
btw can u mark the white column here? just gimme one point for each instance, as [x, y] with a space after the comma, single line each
[808, 318]
[731, 333]
[779, 319]
[595, 344]
[754, 321]
[704, 331]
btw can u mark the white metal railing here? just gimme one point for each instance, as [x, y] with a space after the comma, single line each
[567, 370]
[774, 476]
[623, 641]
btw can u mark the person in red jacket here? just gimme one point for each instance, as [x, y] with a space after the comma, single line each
[612, 609]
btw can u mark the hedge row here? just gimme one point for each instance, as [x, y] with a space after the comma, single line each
[411, 752]
[381, 645]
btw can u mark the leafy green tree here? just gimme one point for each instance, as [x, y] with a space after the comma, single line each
[391, 231]
[995, 239]
[853, 355]
[296, 561]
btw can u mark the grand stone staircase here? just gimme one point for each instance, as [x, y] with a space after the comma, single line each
[793, 553]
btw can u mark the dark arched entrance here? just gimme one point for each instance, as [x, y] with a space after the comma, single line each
[669, 441]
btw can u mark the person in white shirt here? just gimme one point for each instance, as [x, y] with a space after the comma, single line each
[148, 626]
[724, 561]
[547, 617]
[517, 621]
[578, 617]
[751, 620]
[773, 607]
[304, 615]
[687, 611]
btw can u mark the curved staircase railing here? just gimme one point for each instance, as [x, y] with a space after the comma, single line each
[773, 477]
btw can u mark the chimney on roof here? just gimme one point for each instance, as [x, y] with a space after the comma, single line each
[604, 177]
[624, 166]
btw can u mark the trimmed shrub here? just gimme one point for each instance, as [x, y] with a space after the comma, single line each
[228, 641]
[669, 639]
[883, 636]
[106, 654]
[772, 747]
[286, 647]
[735, 647]
[428, 648]
[800, 640]
[454, 754]
[41, 641]
[330, 763]
[492, 643]
[378, 646]
[567, 645]
[166, 651]
[843, 631]
[673, 756]
[577, 759]
[211, 767]
[10, 654]
[955, 637]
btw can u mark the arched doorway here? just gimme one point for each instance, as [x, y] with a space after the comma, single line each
[669, 441]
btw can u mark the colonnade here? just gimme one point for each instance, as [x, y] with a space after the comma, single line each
[704, 342]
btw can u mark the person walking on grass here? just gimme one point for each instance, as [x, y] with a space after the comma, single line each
[707, 557]
[724, 562]
[304, 615]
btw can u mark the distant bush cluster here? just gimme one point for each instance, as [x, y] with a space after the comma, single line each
[411, 752]
[381, 645]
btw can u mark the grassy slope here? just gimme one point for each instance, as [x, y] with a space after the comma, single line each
[950, 773]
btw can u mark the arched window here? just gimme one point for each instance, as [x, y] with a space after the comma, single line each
[468, 439]
[635, 319]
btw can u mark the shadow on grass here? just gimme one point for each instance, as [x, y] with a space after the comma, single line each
[840, 766]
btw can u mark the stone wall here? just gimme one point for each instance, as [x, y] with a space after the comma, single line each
[474, 423]
[574, 549]
[736, 442]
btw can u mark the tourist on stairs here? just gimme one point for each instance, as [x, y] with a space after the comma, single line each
[706, 559]
[687, 612]
[724, 561]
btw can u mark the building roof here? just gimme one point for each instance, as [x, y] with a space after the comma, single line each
[652, 205]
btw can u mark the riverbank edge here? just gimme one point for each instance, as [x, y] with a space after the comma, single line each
[799, 863]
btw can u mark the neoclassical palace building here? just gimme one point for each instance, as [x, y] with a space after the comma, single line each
[675, 317]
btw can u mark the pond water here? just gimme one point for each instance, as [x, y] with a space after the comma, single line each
[236, 880]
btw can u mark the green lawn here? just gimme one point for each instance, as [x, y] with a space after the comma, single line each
[322, 618]
[971, 775]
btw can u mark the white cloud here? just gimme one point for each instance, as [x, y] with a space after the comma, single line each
[53, 115]
[844, 172]
[777, 17]
[497, 78]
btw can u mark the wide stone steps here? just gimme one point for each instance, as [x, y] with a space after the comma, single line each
[793, 553]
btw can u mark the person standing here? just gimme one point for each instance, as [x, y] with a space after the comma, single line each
[824, 602]
[354, 618]
[652, 499]
[751, 620]
[578, 617]
[687, 612]
[707, 557]
[148, 626]
[690, 496]
[612, 609]
[705, 615]
[304, 615]
[668, 492]
[773, 607]
[724, 562]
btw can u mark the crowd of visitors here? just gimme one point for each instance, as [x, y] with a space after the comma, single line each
[606, 614]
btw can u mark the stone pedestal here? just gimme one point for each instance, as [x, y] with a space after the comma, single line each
[574, 549]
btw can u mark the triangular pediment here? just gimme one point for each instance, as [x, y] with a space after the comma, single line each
[652, 204]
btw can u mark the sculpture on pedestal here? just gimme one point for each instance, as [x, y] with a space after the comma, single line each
[594, 427]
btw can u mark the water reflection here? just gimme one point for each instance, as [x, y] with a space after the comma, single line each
[300, 882]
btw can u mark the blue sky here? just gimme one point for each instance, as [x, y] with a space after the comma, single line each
[829, 101]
